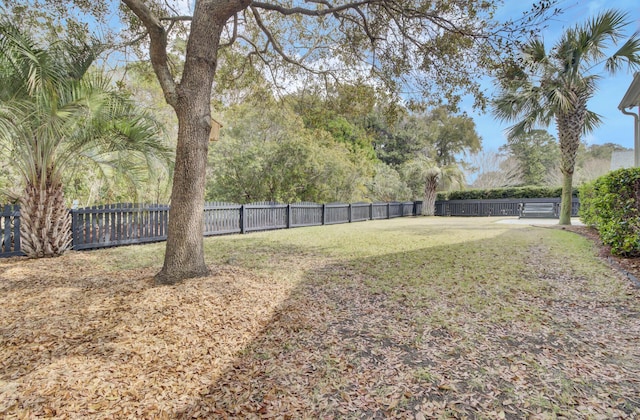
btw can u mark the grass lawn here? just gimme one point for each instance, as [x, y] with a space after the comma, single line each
[404, 318]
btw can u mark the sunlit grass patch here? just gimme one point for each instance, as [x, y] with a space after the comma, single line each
[402, 318]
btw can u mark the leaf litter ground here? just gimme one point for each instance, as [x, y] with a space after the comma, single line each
[405, 318]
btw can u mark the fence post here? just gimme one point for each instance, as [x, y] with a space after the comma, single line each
[74, 224]
[16, 233]
[402, 209]
[323, 219]
[288, 216]
[371, 211]
[243, 219]
[349, 213]
[388, 210]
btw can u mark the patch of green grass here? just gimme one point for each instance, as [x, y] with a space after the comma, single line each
[128, 257]
[424, 374]
[449, 304]
[473, 265]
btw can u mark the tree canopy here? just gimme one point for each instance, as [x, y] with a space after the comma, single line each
[425, 51]
[56, 114]
[537, 153]
[555, 84]
[267, 154]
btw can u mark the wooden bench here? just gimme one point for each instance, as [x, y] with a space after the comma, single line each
[538, 210]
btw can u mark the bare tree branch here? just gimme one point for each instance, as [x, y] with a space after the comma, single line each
[234, 35]
[177, 18]
[312, 12]
[277, 47]
[157, 48]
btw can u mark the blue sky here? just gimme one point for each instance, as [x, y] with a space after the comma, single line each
[616, 127]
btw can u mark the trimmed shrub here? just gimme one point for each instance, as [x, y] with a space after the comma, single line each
[588, 196]
[497, 193]
[611, 204]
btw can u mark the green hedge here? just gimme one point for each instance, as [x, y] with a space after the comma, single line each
[497, 193]
[611, 204]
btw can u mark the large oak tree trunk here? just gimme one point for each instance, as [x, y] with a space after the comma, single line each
[184, 255]
[191, 100]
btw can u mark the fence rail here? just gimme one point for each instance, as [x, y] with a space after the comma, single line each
[125, 224]
[497, 207]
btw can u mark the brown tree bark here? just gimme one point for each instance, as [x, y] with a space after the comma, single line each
[45, 222]
[184, 253]
[191, 100]
[430, 194]
[570, 126]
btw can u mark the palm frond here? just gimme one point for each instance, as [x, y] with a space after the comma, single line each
[59, 109]
[535, 52]
[591, 121]
[628, 53]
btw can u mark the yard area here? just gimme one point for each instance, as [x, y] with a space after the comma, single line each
[403, 318]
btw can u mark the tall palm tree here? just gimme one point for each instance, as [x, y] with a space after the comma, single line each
[426, 174]
[555, 86]
[55, 112]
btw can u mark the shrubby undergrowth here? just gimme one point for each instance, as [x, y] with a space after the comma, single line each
[611, 204]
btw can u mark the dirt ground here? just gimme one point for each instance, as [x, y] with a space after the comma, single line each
[392, 319]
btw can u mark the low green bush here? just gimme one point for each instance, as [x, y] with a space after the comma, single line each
[611, 204]
[497, 193]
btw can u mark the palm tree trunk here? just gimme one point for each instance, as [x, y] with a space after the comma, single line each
[570, 126]
[567, 196]
[429, 204]
[45, 222]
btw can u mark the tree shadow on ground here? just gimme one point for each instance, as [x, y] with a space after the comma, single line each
[460, 330]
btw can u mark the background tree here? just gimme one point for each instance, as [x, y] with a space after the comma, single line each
[556, 85]
[341, 112]
[490, 169]
[595, 160]
[604, 151]
[426, 177]
[454, 41]
[55, 114]
[269, 155]
[452, 136]
[537, 153]
[443, 139]
[387, 185]
[397, 142]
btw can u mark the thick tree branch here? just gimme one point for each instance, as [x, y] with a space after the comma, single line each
[177, 18]
[311, 12]
[157, 48]
[234, 35]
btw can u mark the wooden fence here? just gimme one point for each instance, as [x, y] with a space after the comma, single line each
[118, 224]
[10, 231]
[498, 207]
[125, 224]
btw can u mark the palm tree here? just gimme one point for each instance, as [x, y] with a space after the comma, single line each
[556, 86]
[426, 174]
[55, 113]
